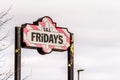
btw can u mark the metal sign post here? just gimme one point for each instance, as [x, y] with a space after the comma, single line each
[79, 73]
[17, 53]
[71, 58]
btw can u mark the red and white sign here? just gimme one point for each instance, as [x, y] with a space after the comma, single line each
[46, 35]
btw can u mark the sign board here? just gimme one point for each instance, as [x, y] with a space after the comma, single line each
[45, 34]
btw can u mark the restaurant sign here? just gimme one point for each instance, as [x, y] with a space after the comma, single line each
[45, 34]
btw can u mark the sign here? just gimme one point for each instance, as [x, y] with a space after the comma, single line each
[45, 34]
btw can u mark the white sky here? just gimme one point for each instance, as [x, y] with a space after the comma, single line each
[95, 24]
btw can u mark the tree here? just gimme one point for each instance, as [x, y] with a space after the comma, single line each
[3, 45]
[6, 75]
[2, 23]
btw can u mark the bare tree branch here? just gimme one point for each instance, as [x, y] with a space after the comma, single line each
[4, 13]
[3, 22]
[4, 36]
[28, 75]
[4, 46]
[7, 75]
[25, 78]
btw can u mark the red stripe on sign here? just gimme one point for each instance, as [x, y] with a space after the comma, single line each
[64, 47]
[42, 24]
[25, 30]
[27, 44]
[51, 47]
[34, 27]
[38, 45]
[61, 31]
[53, 24]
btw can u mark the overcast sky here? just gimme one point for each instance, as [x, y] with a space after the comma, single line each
[96, 27]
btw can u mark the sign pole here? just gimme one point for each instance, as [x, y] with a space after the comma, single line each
[71, 58]
[17, 70]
